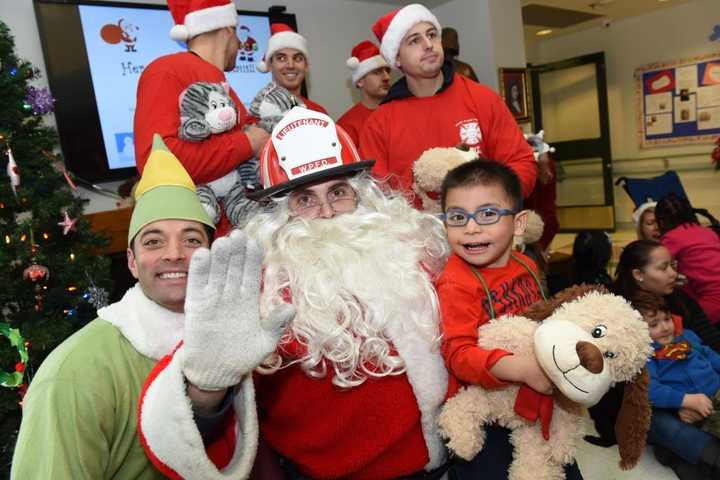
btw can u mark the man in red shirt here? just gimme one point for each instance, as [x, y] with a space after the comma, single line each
[209, 30]
[432, 106]
[287, 59]
[371, 75]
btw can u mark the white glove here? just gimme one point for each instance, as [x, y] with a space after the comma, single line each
[224, 335]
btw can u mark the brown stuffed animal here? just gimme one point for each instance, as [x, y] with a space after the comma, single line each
[588, 340]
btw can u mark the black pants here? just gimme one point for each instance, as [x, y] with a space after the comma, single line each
[493, 461]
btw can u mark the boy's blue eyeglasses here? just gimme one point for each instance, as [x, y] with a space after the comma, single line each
[458, 217]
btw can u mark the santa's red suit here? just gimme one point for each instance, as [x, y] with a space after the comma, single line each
[462, 111]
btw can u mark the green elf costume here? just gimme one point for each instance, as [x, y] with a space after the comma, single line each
[80, 415]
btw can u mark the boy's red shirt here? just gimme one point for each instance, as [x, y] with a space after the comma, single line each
[464, 307]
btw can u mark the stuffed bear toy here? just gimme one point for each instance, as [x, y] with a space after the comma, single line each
[587, 341]
[207, 109]
[430, 169]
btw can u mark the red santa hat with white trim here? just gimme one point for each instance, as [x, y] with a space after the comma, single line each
[391, 28]
[283, 36]
[365, 58]
[193, 17]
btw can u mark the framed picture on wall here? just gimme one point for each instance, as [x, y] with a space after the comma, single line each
[514, 90]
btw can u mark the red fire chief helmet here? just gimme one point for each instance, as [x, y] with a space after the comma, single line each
[305, 147]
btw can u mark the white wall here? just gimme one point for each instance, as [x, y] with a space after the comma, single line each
[490, 32]
[669, 34]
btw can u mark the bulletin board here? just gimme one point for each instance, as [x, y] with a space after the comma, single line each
[679, 102]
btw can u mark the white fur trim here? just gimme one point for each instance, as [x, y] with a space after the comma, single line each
[209, 19]
[428, 377]
[152, 330]
[366, 66]
[167, 423]
[637, 214]
[286, 40]
[352, 63]
[403, 21]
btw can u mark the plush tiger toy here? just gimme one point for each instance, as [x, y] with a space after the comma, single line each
[205, 109]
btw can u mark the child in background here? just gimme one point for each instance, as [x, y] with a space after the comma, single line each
[644, 218]
[592, 250]
[695, 248]
[482, 208]
[684, 391]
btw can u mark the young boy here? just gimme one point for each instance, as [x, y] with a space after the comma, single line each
[484, 279]
[684, 387]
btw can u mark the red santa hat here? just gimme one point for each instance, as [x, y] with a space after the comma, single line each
[365, 58]
[282, 37]
[392, 28]
[193, 17]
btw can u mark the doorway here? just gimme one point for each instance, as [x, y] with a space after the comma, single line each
[570, 104]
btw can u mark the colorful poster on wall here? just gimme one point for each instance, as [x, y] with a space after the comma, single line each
[679, 102]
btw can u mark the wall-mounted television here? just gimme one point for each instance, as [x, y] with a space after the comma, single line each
[95, 52]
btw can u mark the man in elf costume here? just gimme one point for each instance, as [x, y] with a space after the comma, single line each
[354, 387]
[371, 76]
[81, 410]
[208, 28]
[288, 60]
[432, 106]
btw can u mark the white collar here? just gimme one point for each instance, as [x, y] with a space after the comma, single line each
[151, 328]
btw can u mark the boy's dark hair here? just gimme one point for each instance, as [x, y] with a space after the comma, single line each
[649, 302]
[673, 211]
[591, 251]
[483, 172]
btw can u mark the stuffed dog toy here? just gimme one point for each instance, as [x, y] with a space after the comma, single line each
[587, 341]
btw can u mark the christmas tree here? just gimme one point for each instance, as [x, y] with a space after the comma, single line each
[52, 279]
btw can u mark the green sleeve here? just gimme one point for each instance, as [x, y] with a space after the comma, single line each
[66, 432]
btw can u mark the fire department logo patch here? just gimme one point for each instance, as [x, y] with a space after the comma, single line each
[469, 131]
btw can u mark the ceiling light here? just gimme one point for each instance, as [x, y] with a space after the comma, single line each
[541, 33]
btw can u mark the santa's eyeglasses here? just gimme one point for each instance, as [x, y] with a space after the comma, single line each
[341, 198]
[459, 217]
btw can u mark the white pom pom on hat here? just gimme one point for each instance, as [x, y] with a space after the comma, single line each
[262, 67]
[179, 33]
[365, 57]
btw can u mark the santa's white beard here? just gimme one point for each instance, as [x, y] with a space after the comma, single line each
[349, 277]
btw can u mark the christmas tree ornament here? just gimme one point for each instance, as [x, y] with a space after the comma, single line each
[39, 100]
[14, 379]
[96, 296]
[13, 72]
[36, 273]
[13, 172]
[68, 223]
[59, 166]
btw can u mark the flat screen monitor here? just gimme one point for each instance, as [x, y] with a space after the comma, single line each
[95, 52]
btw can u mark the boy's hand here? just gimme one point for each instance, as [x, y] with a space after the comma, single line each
[523, 370]
[535, 377]
[698, 402]
[688, 415]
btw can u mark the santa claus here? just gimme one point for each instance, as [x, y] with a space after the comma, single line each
[355, 383]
